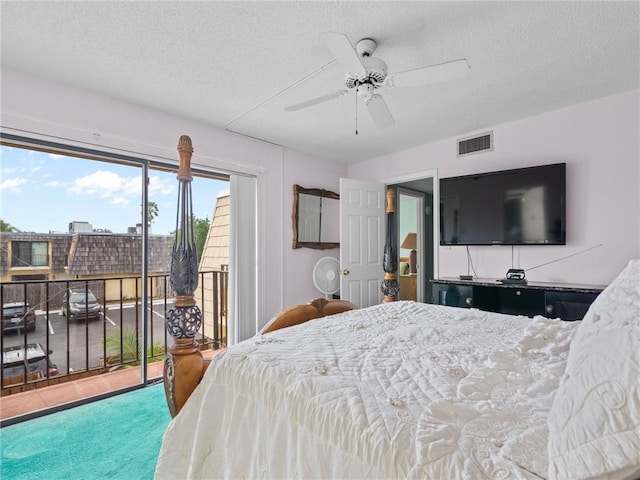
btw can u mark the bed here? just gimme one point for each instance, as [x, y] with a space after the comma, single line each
[412, 390]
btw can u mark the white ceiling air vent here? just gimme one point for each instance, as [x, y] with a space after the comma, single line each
[476, 144]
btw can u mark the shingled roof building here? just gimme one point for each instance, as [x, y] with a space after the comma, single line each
[215, 256]
[73, 257]
[109, 254]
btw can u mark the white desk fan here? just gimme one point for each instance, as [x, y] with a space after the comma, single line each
[326, 276]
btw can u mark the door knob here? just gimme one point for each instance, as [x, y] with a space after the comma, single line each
[345, 272]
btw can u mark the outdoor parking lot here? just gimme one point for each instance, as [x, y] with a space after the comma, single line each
[79, 344]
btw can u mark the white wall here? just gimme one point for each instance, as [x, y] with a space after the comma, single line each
[307, 172]
[39, 108]
[599, 141]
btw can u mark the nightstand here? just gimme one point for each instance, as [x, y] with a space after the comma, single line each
[408, 287]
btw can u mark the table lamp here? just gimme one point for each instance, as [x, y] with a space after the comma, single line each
[410, 241]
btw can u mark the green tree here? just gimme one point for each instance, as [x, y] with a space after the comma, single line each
[130, 351]
[200, 231]
[153, 211]
[7, 227]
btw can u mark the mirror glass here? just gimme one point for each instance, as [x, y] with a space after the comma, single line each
[316, 217]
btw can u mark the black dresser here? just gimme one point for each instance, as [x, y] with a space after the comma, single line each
[553, 300]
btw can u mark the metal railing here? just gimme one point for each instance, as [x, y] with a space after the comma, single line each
[93, 337]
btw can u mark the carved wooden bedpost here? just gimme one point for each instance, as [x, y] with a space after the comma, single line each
[183, 365]
[390, 286]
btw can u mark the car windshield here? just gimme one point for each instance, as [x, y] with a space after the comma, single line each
[80, 297]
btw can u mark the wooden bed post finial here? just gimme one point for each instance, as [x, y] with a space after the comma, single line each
[185, 150]
[183, 365]
[391, 200]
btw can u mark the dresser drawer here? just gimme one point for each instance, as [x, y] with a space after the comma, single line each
[568, 305]
[455, 295]
[521, 301]
[466, 296]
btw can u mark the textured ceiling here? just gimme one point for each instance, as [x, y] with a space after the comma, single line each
[237, 65]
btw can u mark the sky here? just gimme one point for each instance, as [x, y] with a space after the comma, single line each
[43, 192]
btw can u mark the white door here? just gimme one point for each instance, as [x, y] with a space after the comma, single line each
[362, 229]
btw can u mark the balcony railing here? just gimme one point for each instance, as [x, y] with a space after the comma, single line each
[88, 338]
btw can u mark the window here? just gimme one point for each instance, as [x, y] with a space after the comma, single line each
[29, 254]
[94, 208]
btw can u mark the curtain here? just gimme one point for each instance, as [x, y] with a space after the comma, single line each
[242, 315]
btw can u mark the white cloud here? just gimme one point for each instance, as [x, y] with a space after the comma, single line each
[107, 185]
[160, 186]
[117, 189]
[12, 184]
[54, 183]
[120, 201]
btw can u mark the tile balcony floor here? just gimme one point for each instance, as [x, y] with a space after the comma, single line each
[55, 395]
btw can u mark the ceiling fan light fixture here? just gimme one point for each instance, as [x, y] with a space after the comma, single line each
[376, 72]
[365, 91]
[366, 74]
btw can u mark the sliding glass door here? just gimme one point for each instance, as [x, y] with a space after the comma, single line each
[85, 246]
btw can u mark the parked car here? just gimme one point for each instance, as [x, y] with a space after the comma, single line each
[36, 362]
[80, 304]
[17, 315]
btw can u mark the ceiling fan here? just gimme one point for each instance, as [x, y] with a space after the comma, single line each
[366, 74]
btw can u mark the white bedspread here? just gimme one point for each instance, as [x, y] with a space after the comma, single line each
[392, 391]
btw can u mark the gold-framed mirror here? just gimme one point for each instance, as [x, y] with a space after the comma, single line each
[315, 218]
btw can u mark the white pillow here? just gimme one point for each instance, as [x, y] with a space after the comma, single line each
[594, 421]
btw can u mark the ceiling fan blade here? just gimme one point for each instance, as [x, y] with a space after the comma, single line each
[341, 47]
[379, 111]
[315, 101]
[442, 72]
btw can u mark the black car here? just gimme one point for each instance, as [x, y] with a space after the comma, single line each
[80, 304]
[17, 315]
[36, 363]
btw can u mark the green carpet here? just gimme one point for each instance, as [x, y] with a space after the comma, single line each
[117, 439]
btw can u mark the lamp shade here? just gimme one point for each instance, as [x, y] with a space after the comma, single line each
[410, 242]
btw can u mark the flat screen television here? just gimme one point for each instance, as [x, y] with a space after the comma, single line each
[524, 206]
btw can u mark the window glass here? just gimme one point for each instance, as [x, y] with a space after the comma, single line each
[83, 233]
[29, 254]
[39, 254]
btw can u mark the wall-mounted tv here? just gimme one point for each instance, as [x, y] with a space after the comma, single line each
[524, 206]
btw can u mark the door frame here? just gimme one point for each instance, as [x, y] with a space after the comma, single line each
[433, 174]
